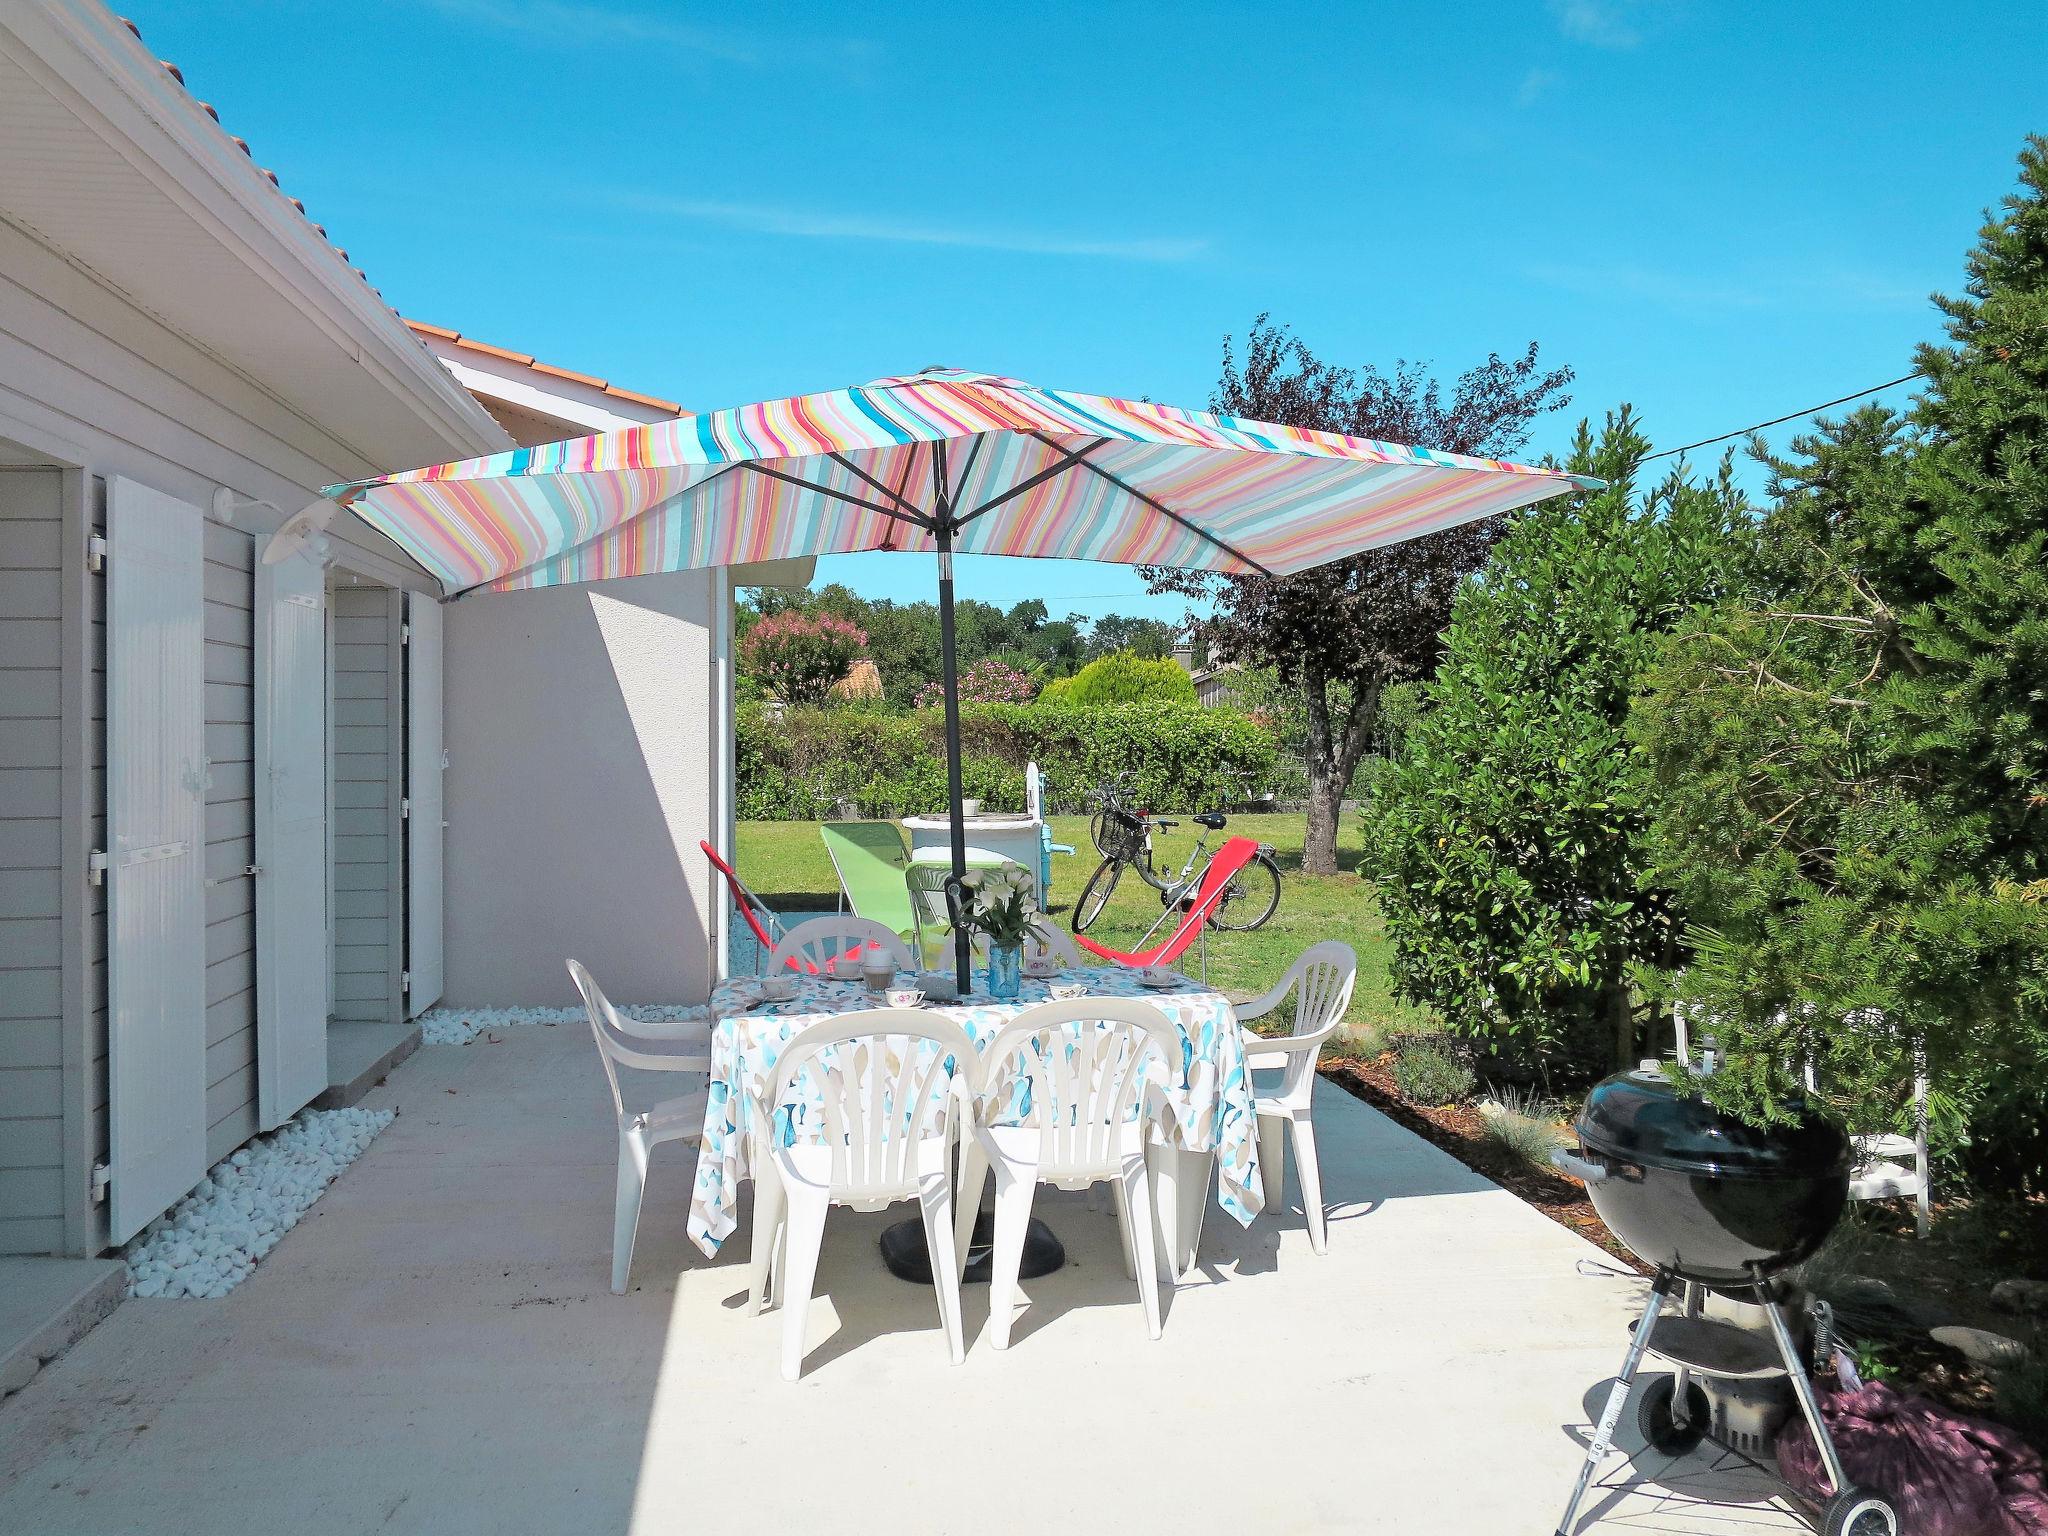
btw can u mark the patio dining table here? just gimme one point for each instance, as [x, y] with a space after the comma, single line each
[1207, 1093]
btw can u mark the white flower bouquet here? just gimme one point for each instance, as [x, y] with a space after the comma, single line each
[1000, 902]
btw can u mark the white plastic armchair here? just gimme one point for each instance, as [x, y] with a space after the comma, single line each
[811, 946]
[873, 1102]
[1888, 1165]
[1065, 1101]
[640, 1132]
[1321, 980]
[1047, 939]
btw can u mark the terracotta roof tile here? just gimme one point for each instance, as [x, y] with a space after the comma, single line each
[527, 360]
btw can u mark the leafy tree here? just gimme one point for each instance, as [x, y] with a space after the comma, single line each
[1509, 836]
[1341, 633]
[1122, 678]
[903, 638]
[1852, 753]
[799, 657]
[1153, 639]
[988, 681]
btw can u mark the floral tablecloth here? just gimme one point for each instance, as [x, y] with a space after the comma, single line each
[1209, 1092]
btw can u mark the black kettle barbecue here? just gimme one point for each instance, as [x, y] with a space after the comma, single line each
[1714, 1204]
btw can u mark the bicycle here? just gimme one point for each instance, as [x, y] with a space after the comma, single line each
[1124, 838]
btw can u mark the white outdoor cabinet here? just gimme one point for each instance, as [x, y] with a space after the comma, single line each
[156, 828]
[291, 837]
[423, 803]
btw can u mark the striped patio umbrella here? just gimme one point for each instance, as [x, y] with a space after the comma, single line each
[942, 462]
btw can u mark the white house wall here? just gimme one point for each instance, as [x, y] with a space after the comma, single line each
[583, 752]
[368, 746]
[90, 382]
[31, 840]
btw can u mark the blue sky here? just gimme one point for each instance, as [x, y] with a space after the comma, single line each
[1715, 220]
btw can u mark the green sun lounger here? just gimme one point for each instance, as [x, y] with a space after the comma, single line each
[870, 858]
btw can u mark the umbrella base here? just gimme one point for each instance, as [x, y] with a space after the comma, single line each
[907, 1258]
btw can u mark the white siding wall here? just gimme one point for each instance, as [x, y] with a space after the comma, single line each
[31, 829]
[368, 746]
[89, 380]
[230, 842]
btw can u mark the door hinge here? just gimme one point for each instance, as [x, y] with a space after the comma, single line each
[405, 981]
[405, 634]
[96, 553]
[404, 808]
[102, 1176]
[96, 867]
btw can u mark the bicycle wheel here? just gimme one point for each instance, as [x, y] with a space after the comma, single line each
[1095, 833]
[1252, 896]
[1095, 894]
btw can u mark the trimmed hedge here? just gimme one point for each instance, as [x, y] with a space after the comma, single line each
[802, 764]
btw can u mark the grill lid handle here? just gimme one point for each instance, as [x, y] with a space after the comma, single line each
[1576, 1167]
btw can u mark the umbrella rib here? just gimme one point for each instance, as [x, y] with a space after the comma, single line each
[908, 511]
[823, 490]
[1068, 459]
[973, 453]
[603, 534]
[1165, 511]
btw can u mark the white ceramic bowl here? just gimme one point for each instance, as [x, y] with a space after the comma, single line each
[846, 968]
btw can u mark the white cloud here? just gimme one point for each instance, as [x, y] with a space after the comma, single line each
[816, 224]
[1833, 288]
[1600, 23]
[1536, 84]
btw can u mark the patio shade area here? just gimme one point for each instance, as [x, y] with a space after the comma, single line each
[437, 1350]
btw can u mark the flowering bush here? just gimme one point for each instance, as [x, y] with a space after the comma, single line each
[799, 657]
[1000, 902]
[986, 682]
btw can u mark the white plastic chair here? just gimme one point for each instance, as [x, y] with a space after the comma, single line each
[1888, 1165]
[1047, 939]
[889, 1084]
[1321, 979]
[1064, 1101]
[817, 942]
[640, 1132]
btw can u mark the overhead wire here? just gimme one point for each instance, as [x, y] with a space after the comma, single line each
[1775, 421]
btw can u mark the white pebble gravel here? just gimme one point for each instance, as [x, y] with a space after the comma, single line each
[459, 1026]
[209, 1242]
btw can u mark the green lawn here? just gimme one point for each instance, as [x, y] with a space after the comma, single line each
[786, 862]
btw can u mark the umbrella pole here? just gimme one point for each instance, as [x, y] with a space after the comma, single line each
[950, 664]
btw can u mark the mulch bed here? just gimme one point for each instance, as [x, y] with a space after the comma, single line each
[1460, 1130]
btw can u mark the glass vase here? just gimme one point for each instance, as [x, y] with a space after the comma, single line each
[1005, 972]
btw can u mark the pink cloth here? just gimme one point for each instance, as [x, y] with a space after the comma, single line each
[1948, 1474]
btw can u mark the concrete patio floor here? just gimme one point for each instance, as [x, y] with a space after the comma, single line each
[435, 1349]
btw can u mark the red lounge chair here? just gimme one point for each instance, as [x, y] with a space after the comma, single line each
[766, 925]
[768, 928]
[1195, 912]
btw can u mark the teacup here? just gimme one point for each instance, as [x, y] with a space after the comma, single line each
[905, 997]
[1067, 991]
[846, 968]
[778, 989]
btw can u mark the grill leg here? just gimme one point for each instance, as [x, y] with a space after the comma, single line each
[1617, 1399]
[1802, 1384]
[1694, 1296]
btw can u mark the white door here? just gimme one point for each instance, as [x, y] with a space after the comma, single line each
[423, 824]
[291, 837]
[156, 827]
